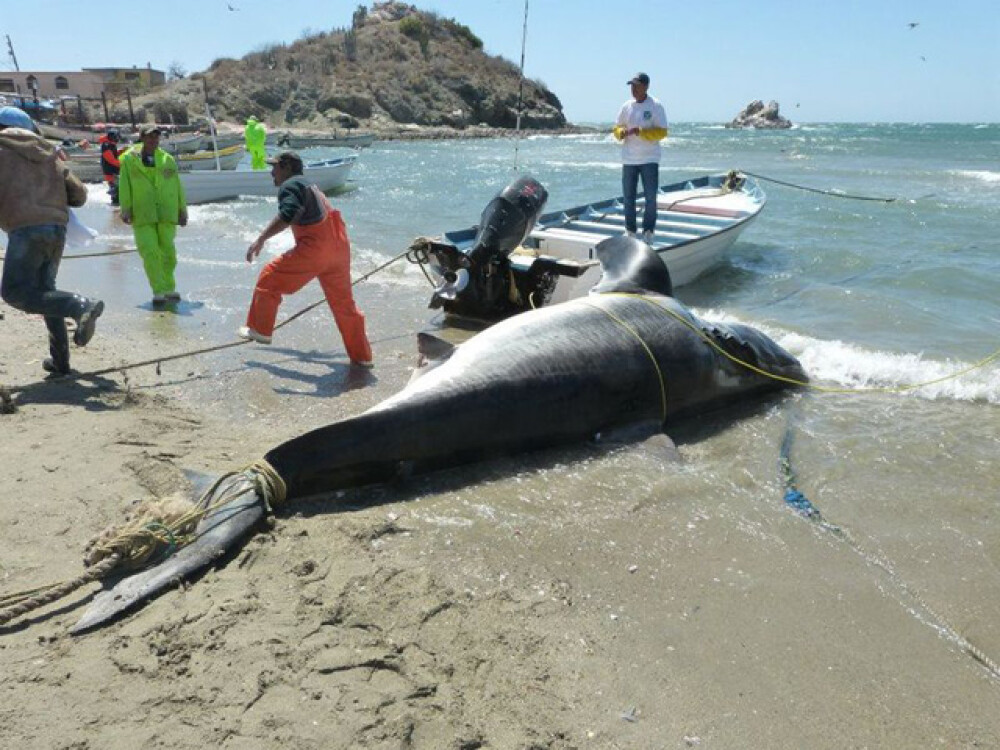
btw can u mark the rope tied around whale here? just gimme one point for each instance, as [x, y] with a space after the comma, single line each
[652, 357]
[804, 383]
[156, 530]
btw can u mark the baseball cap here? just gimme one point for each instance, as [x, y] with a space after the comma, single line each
[149, 129]
[13, 117]
[639, 78]
[288, 159]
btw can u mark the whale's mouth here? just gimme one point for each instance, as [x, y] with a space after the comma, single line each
[743, 345]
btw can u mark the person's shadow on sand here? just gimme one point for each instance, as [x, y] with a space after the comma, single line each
[90, 392]
[342, 377]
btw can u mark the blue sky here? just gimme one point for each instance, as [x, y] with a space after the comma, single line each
[848, 61]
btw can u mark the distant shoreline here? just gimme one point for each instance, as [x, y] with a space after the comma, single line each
[394, 132]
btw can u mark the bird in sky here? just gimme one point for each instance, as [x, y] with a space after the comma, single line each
[914, 24]
[231, 7]
[923, 58]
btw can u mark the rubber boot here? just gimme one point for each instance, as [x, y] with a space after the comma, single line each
[58, 346]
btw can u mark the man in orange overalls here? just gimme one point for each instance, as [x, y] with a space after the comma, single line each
[322, 251]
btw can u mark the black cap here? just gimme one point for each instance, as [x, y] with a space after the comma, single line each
[639, 78]
[288, 159]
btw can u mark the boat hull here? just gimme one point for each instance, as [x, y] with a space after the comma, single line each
[210, 185]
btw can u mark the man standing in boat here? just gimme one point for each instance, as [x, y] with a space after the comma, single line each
[152, 201]
[641, 125]
[322, 251]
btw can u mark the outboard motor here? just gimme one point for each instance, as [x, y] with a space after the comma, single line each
[477, 281]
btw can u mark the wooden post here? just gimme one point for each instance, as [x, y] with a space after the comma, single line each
[104, 103]
[131, 112]
[79, 109]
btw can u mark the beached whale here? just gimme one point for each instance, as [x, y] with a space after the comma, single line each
[628, 355]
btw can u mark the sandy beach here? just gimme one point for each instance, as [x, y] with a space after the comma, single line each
[407, 616]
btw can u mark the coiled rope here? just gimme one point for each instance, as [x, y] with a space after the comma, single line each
[831, 193]
[156, 531]
[195, 352]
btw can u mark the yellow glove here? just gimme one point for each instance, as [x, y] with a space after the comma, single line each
[653, 134]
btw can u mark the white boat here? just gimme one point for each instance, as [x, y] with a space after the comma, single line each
[223, 140]
[87, 164]
[229, 158]
[205, 186]
[484, 277]
[289, 140]
[181, 144]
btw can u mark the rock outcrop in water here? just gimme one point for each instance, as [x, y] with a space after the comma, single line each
[758, 115]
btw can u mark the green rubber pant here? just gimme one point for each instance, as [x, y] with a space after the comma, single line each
[258, 158]
[155, 243]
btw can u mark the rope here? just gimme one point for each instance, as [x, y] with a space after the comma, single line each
[804, 383]
[89, 255]
[798, 502]
[652, 357]
[195, 352]
[520, 86]
[156, 532]
[832, 193]
[55, 592]
[419, 255]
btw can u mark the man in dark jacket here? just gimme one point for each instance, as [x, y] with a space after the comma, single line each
[36, 189]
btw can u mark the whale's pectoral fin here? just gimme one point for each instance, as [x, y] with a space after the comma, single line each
[648, 436]
[433, 351]
[222, 527]
[630, 266]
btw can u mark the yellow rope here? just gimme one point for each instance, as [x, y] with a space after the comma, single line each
[652, 357]
[805, 384]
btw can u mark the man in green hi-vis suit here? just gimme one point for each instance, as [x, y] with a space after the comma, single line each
[152, 201]
[255, 135]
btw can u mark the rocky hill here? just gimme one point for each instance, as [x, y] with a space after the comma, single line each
[395, 66]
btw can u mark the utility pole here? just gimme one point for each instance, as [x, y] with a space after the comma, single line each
[10, 46]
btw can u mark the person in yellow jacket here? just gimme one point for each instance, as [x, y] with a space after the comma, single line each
[255, 135]
[152, 201]
[640, 126]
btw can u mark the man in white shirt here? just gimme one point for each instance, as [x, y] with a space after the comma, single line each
[641, 125]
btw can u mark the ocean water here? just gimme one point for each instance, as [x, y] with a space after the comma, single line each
[874, 298]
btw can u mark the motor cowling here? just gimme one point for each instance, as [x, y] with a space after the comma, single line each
[508, 219]
[477, 281]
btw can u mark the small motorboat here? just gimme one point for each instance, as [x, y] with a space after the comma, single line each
[205, 186]
[229, 158]
[518, 258]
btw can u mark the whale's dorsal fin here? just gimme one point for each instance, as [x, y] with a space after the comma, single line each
[631, 266]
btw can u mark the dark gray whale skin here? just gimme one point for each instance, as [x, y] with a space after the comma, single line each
[627, 355]
[551, 376]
